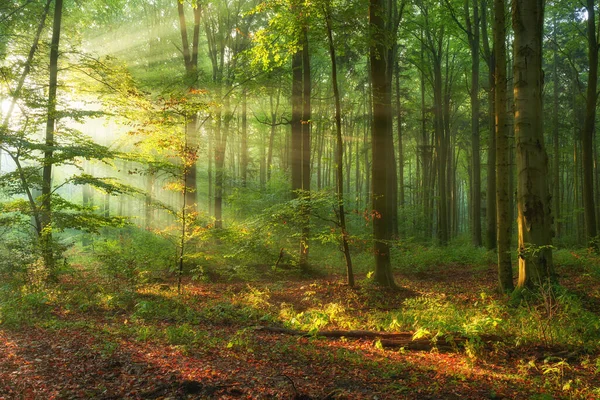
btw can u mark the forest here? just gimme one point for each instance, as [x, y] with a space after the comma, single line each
[299, 199]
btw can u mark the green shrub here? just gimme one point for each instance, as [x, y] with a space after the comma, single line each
[412, 257]
[17, 309]
[225, 313]
[134, 256]
[163, 310]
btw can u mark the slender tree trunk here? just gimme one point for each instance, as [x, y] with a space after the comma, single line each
[491, 163]
[88, 202]
[503, 194]
[148, 200]
[244, 144]
[273, 129]
[274, 107]
[401, 190]
[576, 191]
[106, 205]
[491, 239]
[340, 151]
[305, 145]
[426, 154]
[555, 137]
[588, 127]
[46, 214]
[533, 198]
[209, 160]
[475, 137]
[296, 123]
[392, 177]
[367, 144]
[320, 146]
[441, 150]
[400, 197]
[221, 134]
[263, 161]
[16, 93]
[357, 175]
[190, 59]
[511, 135]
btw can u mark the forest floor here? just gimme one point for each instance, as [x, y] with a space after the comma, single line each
[206, 344]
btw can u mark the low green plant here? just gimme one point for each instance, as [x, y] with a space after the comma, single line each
[144, 333]
[414, 257]
[183, 334]
[129, 257]
[163, 310]
[23, 308]
[227, 313]
[554, 316]
[241, 340]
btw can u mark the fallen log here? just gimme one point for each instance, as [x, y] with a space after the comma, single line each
[448, 343]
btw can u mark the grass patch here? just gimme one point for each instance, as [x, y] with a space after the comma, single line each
[413, 257]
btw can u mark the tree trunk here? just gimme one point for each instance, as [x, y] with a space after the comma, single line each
[555, 111]
[190, 60]
[209, 160]
[244, 144]
[503, 194]
[274, 107]
[340, 151]
[366, 143]
[263, 161]
[588, 127]
[296, 123]
[221, 133]
[16, 93]
[401, 188]
[148, 200]
[475, 139]
[426, 154]
[300, 140]
[441, 149]
[380, 129]
[46, 206]
[305, 145]
[533, 198]
[491, 239]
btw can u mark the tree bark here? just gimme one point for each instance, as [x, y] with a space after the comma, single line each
[380, 129]
[340, 150]
[426, 153]
[588, 127]
[305, 145]
[491, 238]
[533, 198]
[46, 206]
[273, 109]
[440, 139]
[190, 59]
[556, 164]
[503, 212]
[473, 34]
[244, 140]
